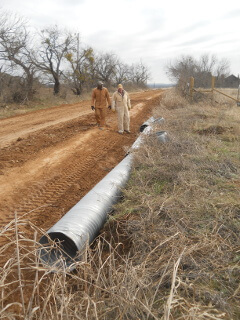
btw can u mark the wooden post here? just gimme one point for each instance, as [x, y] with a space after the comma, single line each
[213, 83]
[191, 87]
[238, 95]
[213, 86]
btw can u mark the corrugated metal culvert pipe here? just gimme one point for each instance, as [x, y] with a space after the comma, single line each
[63, 243]
[81, 224]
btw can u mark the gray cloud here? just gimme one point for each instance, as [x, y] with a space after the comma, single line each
[196, 26]
[232, 14]
[153, 19]
[180, 32]
[231, 42]
[198, 40]
[70, 2]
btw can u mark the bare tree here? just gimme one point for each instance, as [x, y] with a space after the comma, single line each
[208, 66]
[122, 73]
[55, 44]
[81, 64]
[15, 51]
[139, 74]
[207, 63]
[105, 67]
[182, 69]
[222, 71]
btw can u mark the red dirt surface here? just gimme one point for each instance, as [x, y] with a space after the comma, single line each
[49, 159]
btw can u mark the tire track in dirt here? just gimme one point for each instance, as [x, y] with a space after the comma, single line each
[47, 194]
[56, 187]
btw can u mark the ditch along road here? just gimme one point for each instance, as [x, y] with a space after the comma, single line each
[49, 159]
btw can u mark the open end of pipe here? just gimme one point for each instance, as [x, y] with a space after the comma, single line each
[58, 250]
[142, 127]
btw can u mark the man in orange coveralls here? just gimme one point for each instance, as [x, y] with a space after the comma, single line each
[100, 98]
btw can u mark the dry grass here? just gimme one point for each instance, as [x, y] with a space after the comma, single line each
[171, 249]
[43, 99]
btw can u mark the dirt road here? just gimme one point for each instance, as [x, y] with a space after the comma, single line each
[49, 159]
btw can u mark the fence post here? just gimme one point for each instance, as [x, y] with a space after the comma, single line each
[238, 96]
[191, 87]
[213, 86]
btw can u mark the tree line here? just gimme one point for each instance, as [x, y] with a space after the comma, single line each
[201, 69]
[53, 57]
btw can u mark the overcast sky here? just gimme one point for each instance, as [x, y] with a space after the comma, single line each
[152, 31]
